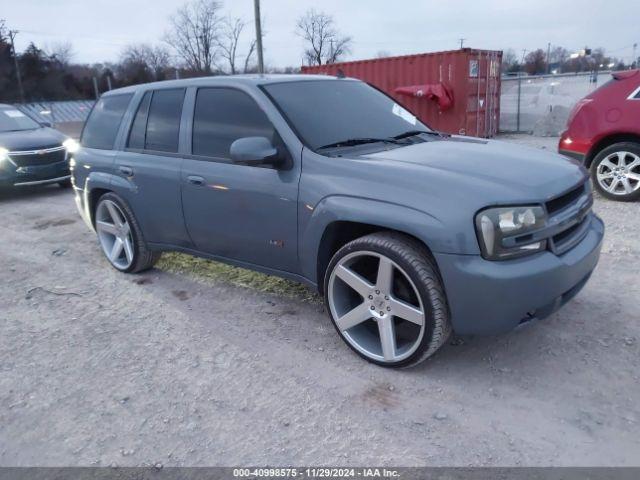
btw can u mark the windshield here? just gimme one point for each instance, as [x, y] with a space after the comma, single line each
[330, 112]
[13, 120]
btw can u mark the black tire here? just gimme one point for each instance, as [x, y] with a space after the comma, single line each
[630, 147]
[143, 258]
[416, 261]
[65, 183]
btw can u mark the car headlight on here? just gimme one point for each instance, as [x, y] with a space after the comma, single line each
[4, 154]
[71, 145]
[508, 232]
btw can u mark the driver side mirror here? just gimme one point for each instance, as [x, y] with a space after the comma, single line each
[254, 151]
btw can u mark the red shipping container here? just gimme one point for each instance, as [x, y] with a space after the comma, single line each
[456, 92]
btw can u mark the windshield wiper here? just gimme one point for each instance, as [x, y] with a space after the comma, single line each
[413, 133]
[351, 142]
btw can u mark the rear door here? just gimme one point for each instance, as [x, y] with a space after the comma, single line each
[149, 167]
[245, 213]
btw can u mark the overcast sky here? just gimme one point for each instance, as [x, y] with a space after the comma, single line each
[99, 29]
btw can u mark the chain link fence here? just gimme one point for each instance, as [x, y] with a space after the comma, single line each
[66, 116]
[541, 104]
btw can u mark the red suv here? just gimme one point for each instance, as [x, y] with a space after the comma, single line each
[603, 132]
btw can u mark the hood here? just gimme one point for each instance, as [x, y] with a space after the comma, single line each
[497, 171]
[31, 139]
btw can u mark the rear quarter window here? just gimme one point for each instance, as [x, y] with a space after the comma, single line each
[102, 125]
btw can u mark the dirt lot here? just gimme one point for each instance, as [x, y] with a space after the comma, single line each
[194, 363]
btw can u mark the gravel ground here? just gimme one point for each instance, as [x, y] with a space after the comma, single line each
[193, 363]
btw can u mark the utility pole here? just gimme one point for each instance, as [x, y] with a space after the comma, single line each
[95, 88]
[256, 7]
[12, 35]
[462, 42]
[548, 58]
[634, 62]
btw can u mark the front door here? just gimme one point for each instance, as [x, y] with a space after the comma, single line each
[240, 212]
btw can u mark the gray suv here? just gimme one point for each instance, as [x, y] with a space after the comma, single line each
[408, 233]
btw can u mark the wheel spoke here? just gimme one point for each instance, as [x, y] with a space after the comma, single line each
[128, 249]
[387, 338]
[621, 158]
[115, 215]
[612, 186]
[106, 227]
[607, 163]
[355, 281]
[354, 317]
[384, 280]
[633, 176]
[406, 311]
[634, 164]
[116, 250]
[627, 186]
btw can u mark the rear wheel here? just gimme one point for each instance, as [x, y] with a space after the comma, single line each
[120, 236]
[386, 301]
[615, 172]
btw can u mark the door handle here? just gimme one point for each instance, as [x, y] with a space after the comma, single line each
[128, 171]
[195, 180]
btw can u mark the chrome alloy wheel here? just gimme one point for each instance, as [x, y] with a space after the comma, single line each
[619, 173]
[114, 234]
[376, 306]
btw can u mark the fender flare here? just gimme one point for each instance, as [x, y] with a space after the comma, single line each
[102, 181]
[427, 228]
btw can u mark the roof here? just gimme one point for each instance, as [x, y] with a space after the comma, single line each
[248, 79]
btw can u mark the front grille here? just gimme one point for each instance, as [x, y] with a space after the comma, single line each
[565, 200]
[45, 156]
[569, 217]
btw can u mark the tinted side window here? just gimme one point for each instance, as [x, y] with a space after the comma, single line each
[139, 127]
[163, 124]
[102, 125]
[223, 115]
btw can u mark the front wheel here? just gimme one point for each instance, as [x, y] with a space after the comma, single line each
[386, 301]
[615, 172]
[120, 236]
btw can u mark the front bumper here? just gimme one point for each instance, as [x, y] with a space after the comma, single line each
[488, 297]
[35, 175]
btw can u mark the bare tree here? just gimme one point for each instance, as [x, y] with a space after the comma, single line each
[247, 59]
[155, 58]
[535, 62]
[324, 43]
[510, 61]
[229, 41]
[194, 34]
[62, 52]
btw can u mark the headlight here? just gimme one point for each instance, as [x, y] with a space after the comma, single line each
[508, 232]
[71, 145]
[4, 154]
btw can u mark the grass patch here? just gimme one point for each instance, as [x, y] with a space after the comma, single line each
[209, 271]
